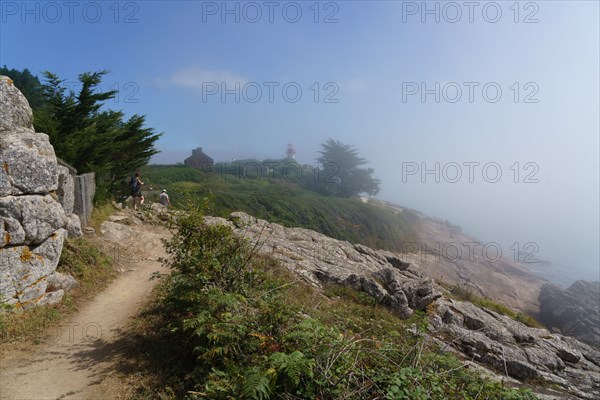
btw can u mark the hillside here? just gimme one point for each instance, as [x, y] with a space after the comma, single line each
[288, 204]
[420, 239]
[288, 313]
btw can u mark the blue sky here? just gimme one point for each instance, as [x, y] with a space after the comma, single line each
[166, 57]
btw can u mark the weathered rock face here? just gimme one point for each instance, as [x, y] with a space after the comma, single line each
[24, 270]
[320, 259]
[444, 252]
[15, 113]
[511, 348]
[575, 311]
[505, 348]
[32, 221]
[28, 163]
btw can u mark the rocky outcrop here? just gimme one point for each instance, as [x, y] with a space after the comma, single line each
[322, 260]
[575, 311]
[33, 220]
[15, 113]
[444, 252]
[28, 163]
[24, 271]
[59, 281]
[512, 349]
[506, 349]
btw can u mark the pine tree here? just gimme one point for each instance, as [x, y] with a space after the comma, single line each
[91, 138]
[341, 174]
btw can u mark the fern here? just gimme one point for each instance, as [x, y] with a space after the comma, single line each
[293, 366]
[257, 384]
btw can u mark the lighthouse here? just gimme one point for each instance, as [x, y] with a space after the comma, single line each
[291, 151]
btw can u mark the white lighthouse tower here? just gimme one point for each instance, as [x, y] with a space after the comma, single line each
[291, 151]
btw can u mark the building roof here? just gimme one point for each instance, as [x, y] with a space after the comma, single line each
[198, 156]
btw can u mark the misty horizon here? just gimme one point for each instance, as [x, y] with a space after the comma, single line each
[545, 264]
[408, 85]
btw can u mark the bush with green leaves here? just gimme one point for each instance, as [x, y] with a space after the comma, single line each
[254, 331]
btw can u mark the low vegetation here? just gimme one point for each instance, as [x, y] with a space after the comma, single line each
[88, 265]
[289, 204]
[230, 324]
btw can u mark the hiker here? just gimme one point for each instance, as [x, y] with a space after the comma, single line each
[163, 198]
[135, 186]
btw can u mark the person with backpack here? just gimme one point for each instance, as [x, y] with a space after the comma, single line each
[135, 187]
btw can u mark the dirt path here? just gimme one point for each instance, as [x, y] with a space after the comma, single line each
[82, 352]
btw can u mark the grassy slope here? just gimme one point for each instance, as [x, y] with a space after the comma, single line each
[289, 205]
[229, 324]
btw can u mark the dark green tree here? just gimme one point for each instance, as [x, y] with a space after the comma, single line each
[91, 138]
[341, 175]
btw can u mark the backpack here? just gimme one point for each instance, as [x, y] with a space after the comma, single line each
[134, 185]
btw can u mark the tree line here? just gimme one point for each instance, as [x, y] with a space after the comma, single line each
[84, 132]
[338, 171]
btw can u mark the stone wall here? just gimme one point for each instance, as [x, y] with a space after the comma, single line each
[85, 189]
[35, 207]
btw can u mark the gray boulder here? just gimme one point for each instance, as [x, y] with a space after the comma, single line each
[15, 113]
[30, 219]
[74, 226]
[59, 281]
[28, 164]
[49, 298]
[24, 269]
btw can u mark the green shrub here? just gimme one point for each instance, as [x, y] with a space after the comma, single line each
[251, 331]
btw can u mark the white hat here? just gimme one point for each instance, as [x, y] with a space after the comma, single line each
[164, 190]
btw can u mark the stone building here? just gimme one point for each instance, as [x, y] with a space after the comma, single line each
[199, 160]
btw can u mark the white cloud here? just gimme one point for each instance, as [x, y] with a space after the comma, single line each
[195, 78]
